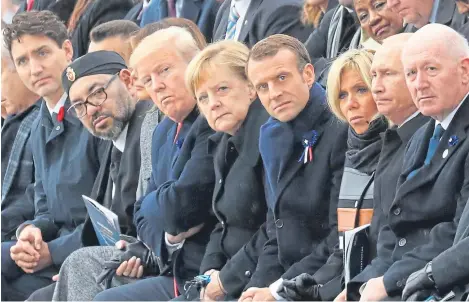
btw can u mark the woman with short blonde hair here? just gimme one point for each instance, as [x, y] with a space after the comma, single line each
[354, 60]
[216, 78]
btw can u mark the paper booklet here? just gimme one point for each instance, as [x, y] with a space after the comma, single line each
[355, 244]
[105, 222]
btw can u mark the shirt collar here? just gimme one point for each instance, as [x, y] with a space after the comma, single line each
[409, 118]
[59, 104]
[447, 120]
[241, 6]
[119, 143]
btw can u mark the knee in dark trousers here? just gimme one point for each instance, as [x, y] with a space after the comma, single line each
[150, 289]
[43, 294]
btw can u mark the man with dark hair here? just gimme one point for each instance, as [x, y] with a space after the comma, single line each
[65, 155]
[303, 149]
[113, 36]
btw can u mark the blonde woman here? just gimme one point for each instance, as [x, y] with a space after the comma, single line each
[229, 102]
[350, 99]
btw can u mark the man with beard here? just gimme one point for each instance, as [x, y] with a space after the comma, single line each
[100, 97]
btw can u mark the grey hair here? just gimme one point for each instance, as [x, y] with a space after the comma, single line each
[185, 44]
[6, 57]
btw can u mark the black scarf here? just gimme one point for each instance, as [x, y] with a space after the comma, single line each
[363, 149]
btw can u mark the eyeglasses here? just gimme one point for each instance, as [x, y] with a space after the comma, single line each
[96, 99]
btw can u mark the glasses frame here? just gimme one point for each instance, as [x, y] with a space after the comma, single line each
[86, 101]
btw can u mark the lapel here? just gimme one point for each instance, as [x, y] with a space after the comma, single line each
[163, 9]
[220, 33]
[249, 19]
[445, 11]
[191, 9]
[19, 143]
[429, 173]
[217, 146]
[311, 118]
[59, 127]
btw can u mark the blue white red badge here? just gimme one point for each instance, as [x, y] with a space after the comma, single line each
[309, 141]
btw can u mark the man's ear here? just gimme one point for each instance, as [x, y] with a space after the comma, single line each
[252, 92]
[308, 74]
[465, 70]
[126, 77]
[67, 46]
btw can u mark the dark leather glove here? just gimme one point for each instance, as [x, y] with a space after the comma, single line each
[301, 288]
[136, 249]
[419, 282]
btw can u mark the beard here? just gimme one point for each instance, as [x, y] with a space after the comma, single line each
[125, 109]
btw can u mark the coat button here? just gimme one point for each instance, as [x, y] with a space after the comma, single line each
[57, 128]
[399, 283]
[247, 274]
[279, 223]
[397, 211]
[402, 242]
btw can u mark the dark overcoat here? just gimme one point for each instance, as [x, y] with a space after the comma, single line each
[238, 201]
[302, 198]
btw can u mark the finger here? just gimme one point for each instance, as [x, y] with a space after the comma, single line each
[37, 238]
[55, 278]
[28, 248]
[27, 270]
[24, 257]
[140, 271]
[134, 271]
[26, 265]
[130, 266]
[120, 270]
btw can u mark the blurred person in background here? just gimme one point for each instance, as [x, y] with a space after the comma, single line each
[89, 13]
[314, 10]
[377, 22]
[21, 107]
[249, 21]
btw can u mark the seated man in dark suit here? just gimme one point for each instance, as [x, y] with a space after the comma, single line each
[22, 108]
[66, 157]
[303, 150]
[172, 220]
[434, 185]
[250, 21]
[421, 12]
[449, 270]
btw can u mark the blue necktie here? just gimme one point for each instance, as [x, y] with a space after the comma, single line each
[232, 20]
[432, 145]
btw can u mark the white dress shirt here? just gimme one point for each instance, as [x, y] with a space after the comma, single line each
[242, 8]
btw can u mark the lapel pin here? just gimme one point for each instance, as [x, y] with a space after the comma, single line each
[453, 140]
[445, 153]
[308, 144]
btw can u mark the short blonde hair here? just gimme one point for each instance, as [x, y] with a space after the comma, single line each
[358, 60]
[228, 53]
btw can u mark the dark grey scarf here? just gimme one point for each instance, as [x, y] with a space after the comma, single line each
[363, 149]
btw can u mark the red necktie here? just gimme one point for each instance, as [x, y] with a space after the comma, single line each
[29, 5]
[178, 129]
[61, 114]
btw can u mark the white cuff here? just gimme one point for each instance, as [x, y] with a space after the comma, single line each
[173, 245]
[274, 288]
